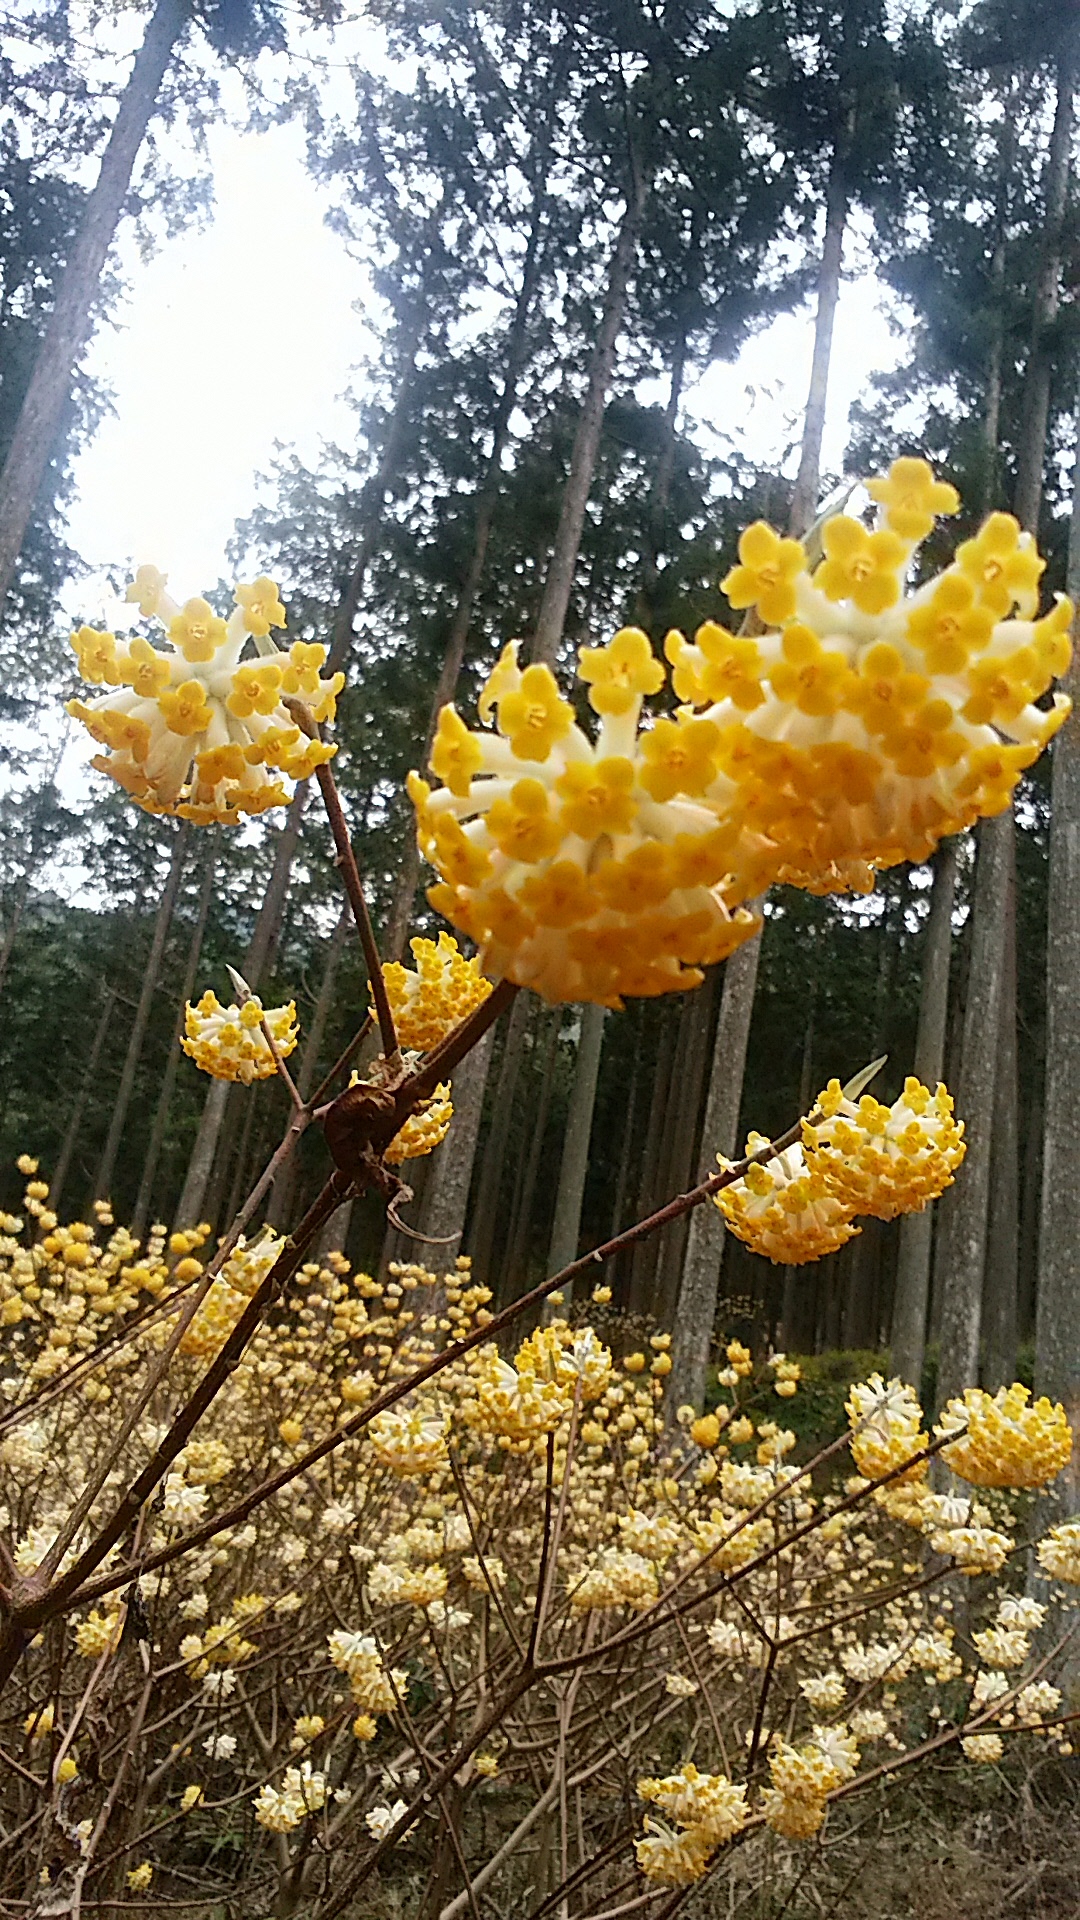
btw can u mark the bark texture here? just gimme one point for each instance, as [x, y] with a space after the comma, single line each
[912, 1290]
[700, 1286]
[69, 322]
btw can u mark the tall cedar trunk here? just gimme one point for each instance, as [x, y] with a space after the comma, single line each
[912, 1291]
[573, 1167]
[164, 1100]
[547, 636]
[559, 581]
[1057, 1322]
[69, 322]
[1002, 1250]
[660, 493]
[515, 1265]
[485, 1213]
[700, 1286]
[447, 1194]
[372, 499]
[284, 1192]
[799, 1284]
[963, 1211]
[643, 1258]
[622, 1178]
[486, 503]
[804, 497]
[107, 1164]
[995, 358]
[698, 1012]
[71, 1132]
[1036, 402]
[208, 1140]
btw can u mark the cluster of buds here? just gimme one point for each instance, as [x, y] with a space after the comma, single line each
[710, 1810]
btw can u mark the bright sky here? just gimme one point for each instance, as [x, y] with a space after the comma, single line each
[244, 335]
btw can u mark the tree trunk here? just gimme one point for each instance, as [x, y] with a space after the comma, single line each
[574, 1165]
[69, 322]
[1057, 1323]
[1031, 453]
[682, 1158]
[705, 1243]
[71, 1133]
[486, 503]
[963, 1209]
[284, 1190]
[807, 482]
[161, 1112]
[372, 499]
[1002, 1251]
[485, 1214]
[516, 1264]
[447, 1194]
[661, 487]
[267, 924]
[107, 1163]
[197, 1178]
[911, 1295]
[643, 1258]
[560, 574]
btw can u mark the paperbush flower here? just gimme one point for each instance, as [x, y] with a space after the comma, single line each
[411, 1440]
[1059, 1552]
[783, 1208]
[974, 1549]
[886, 1424]
[428, 1001]
[619, 1579]
[229, 1043]
[424, 1129]
[871, 721]
[585, 869]
[193, 729]
[883, 1160]
[1003, 1441]
[709, 1808]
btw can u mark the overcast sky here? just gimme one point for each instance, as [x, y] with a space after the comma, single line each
[244, 334]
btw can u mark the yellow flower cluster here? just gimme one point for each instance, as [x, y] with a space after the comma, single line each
[709, 1808]
[194, 729]
[618, 1579]
[411, 1440]
[517, 1403]
[584, 869]
[886, 1429]
[873, 721]
[423, 1130]
[862, 1158]
[229, 1043]
[783, 1209]
[881, 1160]
[803, 1778]
[863, 726]
[229, 1293]
[430, 1000]
[375, 1688]
[1059, 1553]
[302, 1791]
[1003, 1441]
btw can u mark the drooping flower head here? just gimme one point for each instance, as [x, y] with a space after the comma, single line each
[587, 869]
[1004, 1440]
[193, 728]
[886, 1428]
[783, 1208]
[229, 1042]
[868, 721]
[428, 1001]
[883, 1160]
[425, 1129]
